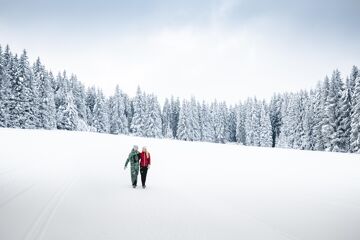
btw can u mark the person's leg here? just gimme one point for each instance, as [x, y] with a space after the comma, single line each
[145, 173]
[135, 180]
[142, 176]
[134, 176]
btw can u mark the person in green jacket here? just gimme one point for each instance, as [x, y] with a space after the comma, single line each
[133, 158]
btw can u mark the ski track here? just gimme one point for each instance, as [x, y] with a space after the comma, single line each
[41, 223]
[16, 195]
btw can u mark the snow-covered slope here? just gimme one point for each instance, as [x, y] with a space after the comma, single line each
[61, 185]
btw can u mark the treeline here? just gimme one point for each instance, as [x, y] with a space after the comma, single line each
[325, 118]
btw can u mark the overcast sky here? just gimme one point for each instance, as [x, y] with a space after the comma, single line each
[224, 49]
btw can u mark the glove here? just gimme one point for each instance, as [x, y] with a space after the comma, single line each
[125, 167]
[148, 166]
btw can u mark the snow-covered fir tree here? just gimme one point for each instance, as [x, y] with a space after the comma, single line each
[67, 115]
[90, 104]
[299, 120]
[38, 75]
[138, 118]
[275, 117]
[100, 113]
[188, 127]
[117, 113]
[333, 116]
[206, 124]
[218, 122]
[183, 128]
[152, 118]
[318, 106]
[345, 120]
[78, 90]
[6, 88]
[22, 98]
[265, 126]
[194, 120]
[355, 118]
[11, 99]
[166, 120]
[352, 81]
[113, 115]
[46, 112]
[128, 109]
[309, 121]
[3, 113]
[35, 104]
[230, 125]
[168, 132]
[286, 130]
[256, 123]
[175, 112]
[248, 122]
[61, 89]
[240, 124]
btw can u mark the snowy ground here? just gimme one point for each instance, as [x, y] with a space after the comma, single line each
[61, 185]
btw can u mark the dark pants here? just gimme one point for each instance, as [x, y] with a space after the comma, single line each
[134, 170]
[143, 172]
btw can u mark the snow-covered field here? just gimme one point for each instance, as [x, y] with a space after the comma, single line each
[59, 185]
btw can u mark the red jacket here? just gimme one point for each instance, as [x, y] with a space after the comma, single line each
[144, 160]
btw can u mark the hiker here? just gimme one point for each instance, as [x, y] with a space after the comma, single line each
[133, 158]
[144, 165]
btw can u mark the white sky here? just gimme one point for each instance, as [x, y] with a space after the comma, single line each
[220, 55]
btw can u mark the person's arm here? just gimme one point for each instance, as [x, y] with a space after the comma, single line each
[127, 161]
[149, 160]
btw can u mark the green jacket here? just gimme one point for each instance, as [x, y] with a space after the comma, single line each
[133, 158]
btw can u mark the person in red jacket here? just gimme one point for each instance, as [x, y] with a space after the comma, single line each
[145, 162]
